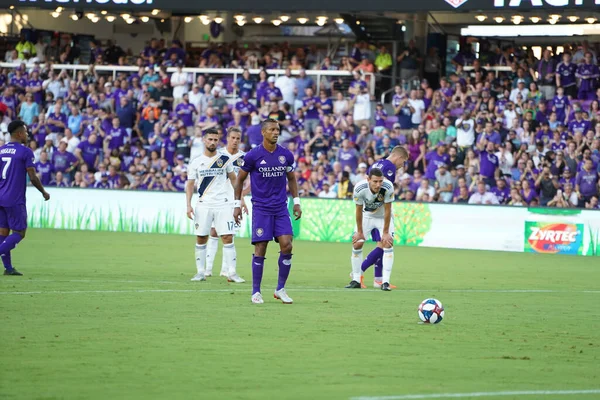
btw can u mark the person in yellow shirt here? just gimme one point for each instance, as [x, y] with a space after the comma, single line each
[25, 47]
[383, 63]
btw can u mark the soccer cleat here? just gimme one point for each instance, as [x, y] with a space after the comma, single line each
[257, 298]
[353, 285]
[282, 295]
[362, 282]
[235, 278]
[198, 277]
[208, 274]
[377, 285]
[12, 272]
[386, 287]
[224, 274]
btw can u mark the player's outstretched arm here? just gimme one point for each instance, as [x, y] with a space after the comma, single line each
[35, 181]
[293, 185]
[189, 192]
[237, 195]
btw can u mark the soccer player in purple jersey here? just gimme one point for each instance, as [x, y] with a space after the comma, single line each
[16, 160]
[270, 167]
[388, 166]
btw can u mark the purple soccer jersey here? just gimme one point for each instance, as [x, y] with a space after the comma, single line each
[45, 171]
[268, 180]
[488, 163]
[566, 74]
[14, 161]
[186, 112]
[388, 168]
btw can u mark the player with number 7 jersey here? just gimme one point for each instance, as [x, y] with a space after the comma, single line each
[16, 163]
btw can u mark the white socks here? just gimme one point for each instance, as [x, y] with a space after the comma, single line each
[388, 263]
[229, 265]
[356, 260]
[200, 258]
[211, 252]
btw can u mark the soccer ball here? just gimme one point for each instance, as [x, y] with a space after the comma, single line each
[431, 311]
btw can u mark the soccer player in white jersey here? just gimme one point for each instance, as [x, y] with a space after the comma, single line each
[236, 157]
[214, 176]
[373, 198]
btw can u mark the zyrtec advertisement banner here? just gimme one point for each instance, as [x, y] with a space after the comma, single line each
[553, 238]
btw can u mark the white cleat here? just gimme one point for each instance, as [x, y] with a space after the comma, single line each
[198, 277]
[377, 284]
[257, 298]
[282, 295]
[224, 274]
[235, 278]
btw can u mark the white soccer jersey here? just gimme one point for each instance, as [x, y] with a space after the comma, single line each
[373, 202]
[212, 184]
[237, 160]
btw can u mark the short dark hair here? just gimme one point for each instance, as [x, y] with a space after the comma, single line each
[375, 172]
[211, 131]
[264, 123]
[15, 125]
[233, 129]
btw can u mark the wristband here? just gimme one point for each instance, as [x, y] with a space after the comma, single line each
[237, 204]
[296, 201]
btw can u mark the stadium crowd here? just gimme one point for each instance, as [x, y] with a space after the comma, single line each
[527, 137]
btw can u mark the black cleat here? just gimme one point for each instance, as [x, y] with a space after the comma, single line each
[386, 287]
[353, 285]
[12, 272]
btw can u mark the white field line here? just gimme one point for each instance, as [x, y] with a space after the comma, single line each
[481, 394]
[300, 289]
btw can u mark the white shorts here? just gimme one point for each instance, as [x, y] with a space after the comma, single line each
[373, 228]
[219, 218]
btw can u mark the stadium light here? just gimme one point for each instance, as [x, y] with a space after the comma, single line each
[55, 14]
[258, 20]
[499, 19]
[59, 9]
[187, 20]
[591, 20]
[90, 15]
[573, 18]
[339, 21]
[130, 21]
[125, 16]
[517, 19]
[481, 17]
[205, 21]
[535, 20]
[357, 22]
[552, 21]
[218, 20]
[554, 16]
[111, 18]
[74, 17]
[240, 22]
[284, 18]
[240, 17]
[302, 20]
[95, 19]
[276, 22]
[145, 18]
[321, 22]
[103, 12]
[155, 11]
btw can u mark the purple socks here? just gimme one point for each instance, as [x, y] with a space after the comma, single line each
[6, 259]
[285, 264]
[7, 245]
[372, 258]
[379, 269]
[258, 264]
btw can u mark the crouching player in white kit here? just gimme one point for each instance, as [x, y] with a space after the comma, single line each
[236, 158]
[215, 176]
[373, 198]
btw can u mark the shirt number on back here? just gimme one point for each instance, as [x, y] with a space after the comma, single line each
[6, 161]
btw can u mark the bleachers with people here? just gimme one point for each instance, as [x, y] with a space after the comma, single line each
[526, 137]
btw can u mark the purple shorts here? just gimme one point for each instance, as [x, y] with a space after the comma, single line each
[267, 226]
[14, 218]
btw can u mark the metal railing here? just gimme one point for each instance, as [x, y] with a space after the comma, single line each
[234, 73]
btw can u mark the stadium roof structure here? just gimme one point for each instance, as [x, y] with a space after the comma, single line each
[346, 6]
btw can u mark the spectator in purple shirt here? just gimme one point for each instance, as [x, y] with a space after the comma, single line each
[44, 169]
[271, 92]
[348, 156]
[311, 112]
[34, 86]
[186, 111]
[587, 182]
[57, 121]
[62, 160]
[488, 163]
[245, 109]
[435, 158]
[88, 151]
[117, 135]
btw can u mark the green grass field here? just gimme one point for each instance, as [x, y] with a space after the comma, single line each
[114, 316]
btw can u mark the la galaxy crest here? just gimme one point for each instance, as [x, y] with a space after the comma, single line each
[380, 197]
[240, 162]
[219, 163]
[282, 159]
